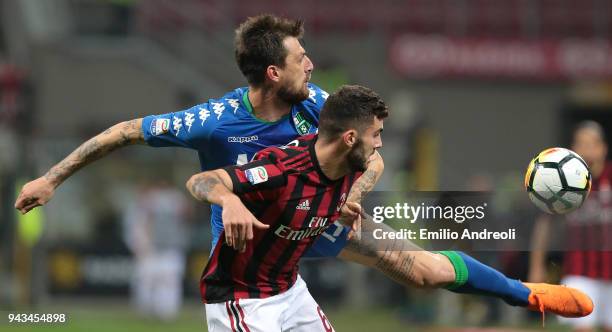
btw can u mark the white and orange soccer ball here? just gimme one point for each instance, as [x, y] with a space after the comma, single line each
[558, 181]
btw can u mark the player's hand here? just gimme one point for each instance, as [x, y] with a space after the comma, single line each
[34, 193]
[238, 223]
[350, 215]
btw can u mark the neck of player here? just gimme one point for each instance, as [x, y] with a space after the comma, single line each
[266, 105]
[332, 159]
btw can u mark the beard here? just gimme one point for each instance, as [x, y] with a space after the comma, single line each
[291, 96]
[357, 159]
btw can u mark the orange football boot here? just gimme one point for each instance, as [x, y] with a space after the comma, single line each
[561, 300]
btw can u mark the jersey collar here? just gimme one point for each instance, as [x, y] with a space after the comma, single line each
[316, 164]
[249, 107]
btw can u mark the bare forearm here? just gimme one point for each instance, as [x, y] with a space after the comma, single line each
[210, 187]
[119, 135]
[367, 181]
[400, 260]
[421, 269]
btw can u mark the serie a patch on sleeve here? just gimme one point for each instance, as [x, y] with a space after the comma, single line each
[256, 175]
[160, 126]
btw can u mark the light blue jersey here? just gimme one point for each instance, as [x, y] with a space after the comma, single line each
[225, 132]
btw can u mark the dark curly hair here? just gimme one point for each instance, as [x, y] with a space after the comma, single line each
[351, 107]
[259, 44]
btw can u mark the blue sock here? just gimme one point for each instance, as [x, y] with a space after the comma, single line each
[473, 277]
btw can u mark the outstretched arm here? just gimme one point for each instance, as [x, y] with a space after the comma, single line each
[41, 190]
[215, 187]
[400, 260]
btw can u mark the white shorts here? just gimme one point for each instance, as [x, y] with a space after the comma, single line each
[600, 292]
[294, 310]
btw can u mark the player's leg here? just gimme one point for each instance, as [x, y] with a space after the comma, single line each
[258, 315]
[473, 277]
[459, 273]
[590, 287]
[246, 315]
[606, 305]
[169, 290]
[305, 315]
[143, 284]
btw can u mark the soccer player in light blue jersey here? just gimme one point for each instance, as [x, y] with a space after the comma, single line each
[278, 106]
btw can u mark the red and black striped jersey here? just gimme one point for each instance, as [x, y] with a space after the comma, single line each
[286, 189]
[589, 232]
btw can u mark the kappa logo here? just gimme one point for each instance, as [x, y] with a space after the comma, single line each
[189, 118]
[312, 94]
[233, 103]
[256, 175]
[177, 124]
[240, 139]
[204, 114]
[305, 206]
[160, 126]
[218, 109]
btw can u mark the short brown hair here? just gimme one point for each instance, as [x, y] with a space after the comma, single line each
[351, 107]
[259, 44]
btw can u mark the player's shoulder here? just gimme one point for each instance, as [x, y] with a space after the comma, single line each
[226, 106]
[281, 154]
[216, 111]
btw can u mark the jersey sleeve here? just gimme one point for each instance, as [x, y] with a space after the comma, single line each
[260, 180]
[186, 128]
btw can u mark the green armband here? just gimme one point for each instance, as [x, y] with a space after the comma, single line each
[461, 272]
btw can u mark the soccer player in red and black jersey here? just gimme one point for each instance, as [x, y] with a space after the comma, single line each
[587, 263]
[289, 195]
[276, 206]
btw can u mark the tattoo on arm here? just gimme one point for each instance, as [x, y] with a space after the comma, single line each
[122, 134]
[363, 185]
[393, 257]
[203, 185]
[397, 265]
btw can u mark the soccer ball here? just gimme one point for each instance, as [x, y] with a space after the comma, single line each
[558, 181]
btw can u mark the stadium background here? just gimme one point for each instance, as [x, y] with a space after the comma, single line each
[476, 89]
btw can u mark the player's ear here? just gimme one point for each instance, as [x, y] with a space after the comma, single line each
[273, 74]
[349, 137]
